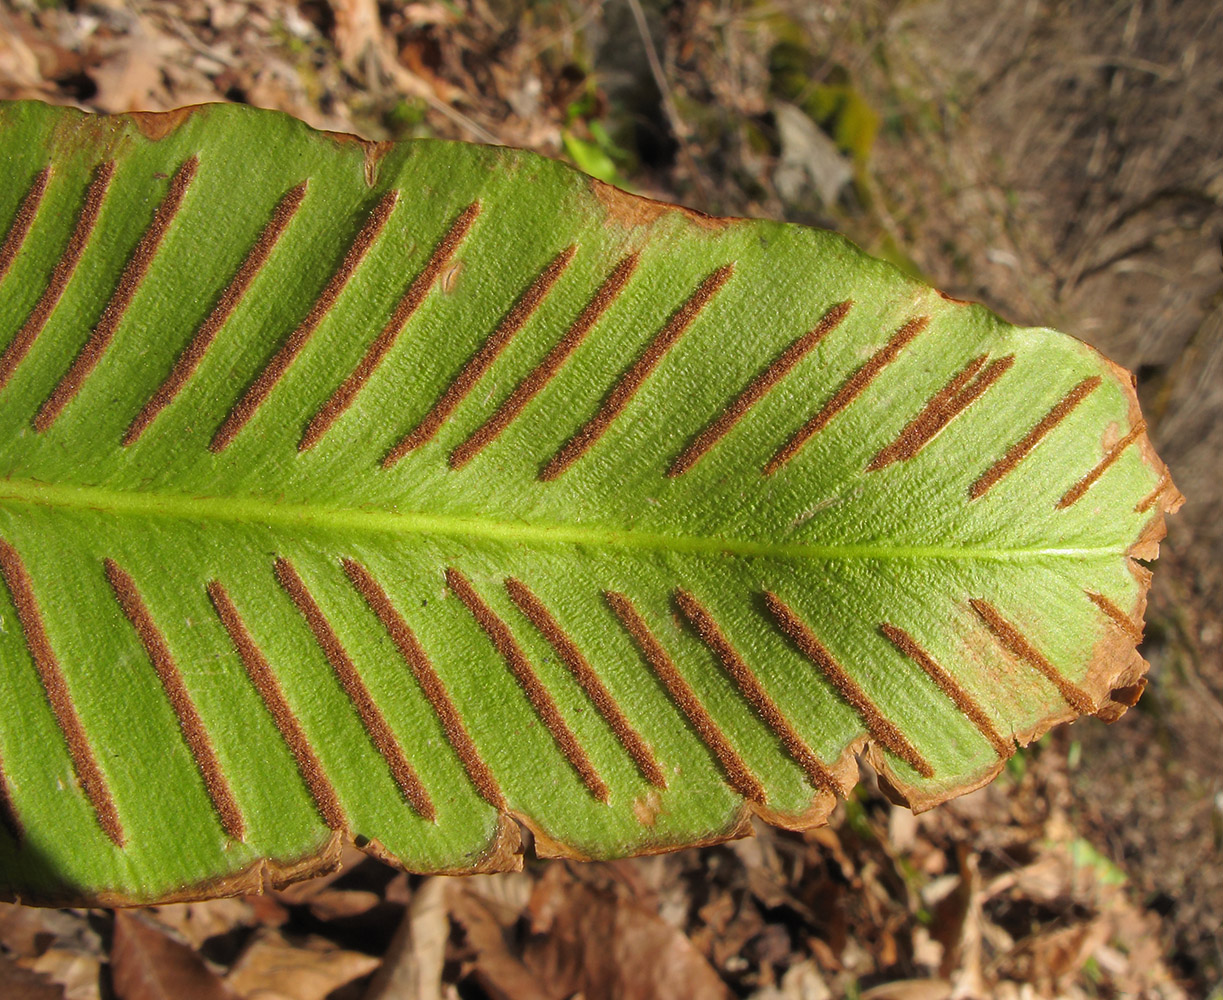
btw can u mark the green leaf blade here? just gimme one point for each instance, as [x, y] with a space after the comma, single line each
[751, 503]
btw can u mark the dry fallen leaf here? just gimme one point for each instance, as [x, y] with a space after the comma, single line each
[197, 922]
[27, 931]
[148, 965]
[911, 989]
[609, 948]
[412, 965]
[21, 984]
[273, 968]
[494, 967]
[75, 969]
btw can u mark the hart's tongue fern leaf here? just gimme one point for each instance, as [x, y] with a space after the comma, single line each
[407, 493]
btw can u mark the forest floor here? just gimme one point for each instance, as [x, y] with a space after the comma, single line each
[1061, 162]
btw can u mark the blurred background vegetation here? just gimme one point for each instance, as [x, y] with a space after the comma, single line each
[1059, 160]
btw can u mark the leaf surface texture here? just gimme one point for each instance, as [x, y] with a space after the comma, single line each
[409, 493]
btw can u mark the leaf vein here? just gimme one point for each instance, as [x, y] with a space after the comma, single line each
[543, 703]
[482, 360]
[19, 229]
[343, 397]
[274, 370]
[193, 354]
[738, 775]
[58, 696]
[430, 683]
[194, 732]
[264, 680]
[380, 733]
[112, 315]
[65, 267]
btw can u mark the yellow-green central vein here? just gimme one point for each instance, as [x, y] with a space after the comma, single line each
[254, 510]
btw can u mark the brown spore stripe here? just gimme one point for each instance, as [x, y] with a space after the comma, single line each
[58, 695]
[434, 690]
[367, 709]
[10, 822]
[757, 389]
[342, 398]
[482, 360]
[62, 273]
[750, 687]
[881, 729]
[962, 700]
[279, 363]
[1075, 493]
[850, 389]
[1013, 641]
[1147, 502]
[545, 371]
[918, 430]
[194, 353]
[22, 221]
[537, 694]
[1020, 449]
[257, 669]
[569, 654]
[1119, 618]
[129, 284]
[635, 376]
[738, 775]
[194, 732]
[947, 404]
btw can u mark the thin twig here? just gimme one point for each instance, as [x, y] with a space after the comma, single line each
[381, 51]
[460, 119]
[577, 24]
[668, 102]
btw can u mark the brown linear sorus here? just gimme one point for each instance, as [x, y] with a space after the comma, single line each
[752, 690]
[194, 352]
[569, 654]
[1149, 501]
[634, 377]
[430, 683]
[1075, 493]
[58, 696]
[20, 345]
[738, 775]
[545, 707]
[1019, 451]
[546, 370]
[1014, 642]
[343, 397]
[380, 732]
[757, 389]
[264, 681]
[279, 363]
[129, 284]
[1119, 618]
[850, 389]
[22, 221]
[965, 388]
[482, 360]
[194, 732]
[962, 700]
[881, 729]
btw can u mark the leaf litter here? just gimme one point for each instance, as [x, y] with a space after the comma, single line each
[994, 894]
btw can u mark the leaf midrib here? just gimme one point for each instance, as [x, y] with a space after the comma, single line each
[251, 510]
